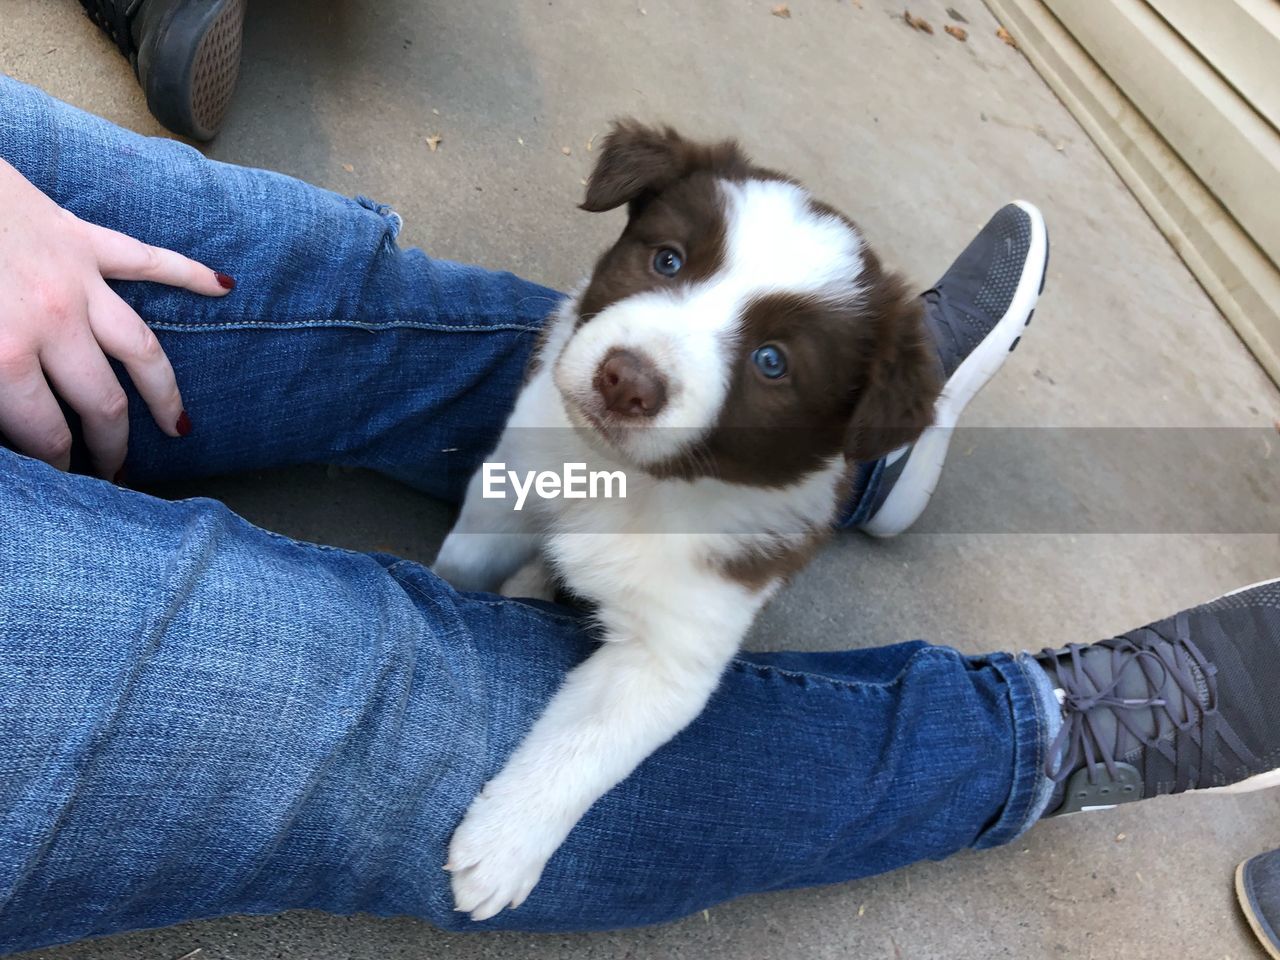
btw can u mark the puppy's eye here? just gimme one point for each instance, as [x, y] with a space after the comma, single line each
[668, 262]
[771, 361]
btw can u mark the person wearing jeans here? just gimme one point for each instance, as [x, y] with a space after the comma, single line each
[199, 717]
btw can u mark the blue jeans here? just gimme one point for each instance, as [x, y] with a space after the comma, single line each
[199, 717]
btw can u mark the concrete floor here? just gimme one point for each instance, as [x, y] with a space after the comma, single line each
[920, 138]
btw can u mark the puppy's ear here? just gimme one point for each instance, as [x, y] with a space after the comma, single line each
[901, 375]
[636, 161]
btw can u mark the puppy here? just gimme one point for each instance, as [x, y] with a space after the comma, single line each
[732, 354]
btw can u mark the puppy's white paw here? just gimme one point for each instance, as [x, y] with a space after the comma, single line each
[497, 854]
[534, 579]
[461, 575]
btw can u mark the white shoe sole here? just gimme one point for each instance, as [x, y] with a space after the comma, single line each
[1255, 922]
[911, 493]
[1261, 781]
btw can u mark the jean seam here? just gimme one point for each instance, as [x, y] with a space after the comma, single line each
[307, 544]
[851, 685]
[737, 663]
[745, 666]
[484, 327]
[496, 601]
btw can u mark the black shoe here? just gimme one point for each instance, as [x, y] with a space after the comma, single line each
[976, 314]
[186, 54]
[1189, 703]
[1258, 887]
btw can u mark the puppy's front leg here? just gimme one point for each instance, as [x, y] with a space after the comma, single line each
[491, 539]
[613, 710]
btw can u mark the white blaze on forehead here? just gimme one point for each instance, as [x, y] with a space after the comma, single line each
[777, 242]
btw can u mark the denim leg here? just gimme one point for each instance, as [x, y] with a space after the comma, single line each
[198, 717]
[336, 345]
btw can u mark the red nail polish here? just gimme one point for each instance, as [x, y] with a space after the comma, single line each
[184, 425]
[225, 282]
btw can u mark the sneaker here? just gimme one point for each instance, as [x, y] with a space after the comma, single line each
[1191, 702]
[1258, 888]
[976, 314]
[185, 53]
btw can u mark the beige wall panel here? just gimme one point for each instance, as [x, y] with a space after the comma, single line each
[1240, 39]
[1243, 282]
[1228, 145]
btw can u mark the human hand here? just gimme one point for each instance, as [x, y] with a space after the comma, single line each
[59, 322]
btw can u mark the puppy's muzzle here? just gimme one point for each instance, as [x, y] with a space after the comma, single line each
[630, 385]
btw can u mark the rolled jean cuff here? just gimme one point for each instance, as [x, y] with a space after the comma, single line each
[1036, 720]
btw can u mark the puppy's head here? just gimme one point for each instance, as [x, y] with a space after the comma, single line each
[738, 328]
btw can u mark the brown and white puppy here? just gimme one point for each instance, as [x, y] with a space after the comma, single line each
[732, 354]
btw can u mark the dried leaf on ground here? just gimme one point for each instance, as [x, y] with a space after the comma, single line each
[960, 33]
[917, 23]
[782, 10]
[956, 15]
[349, 168]
[1007, 37]
[434, 141]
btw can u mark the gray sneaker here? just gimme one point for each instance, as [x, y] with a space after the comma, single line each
[1258, 887]
[1191, 702]
[976, 314]
[186, 54]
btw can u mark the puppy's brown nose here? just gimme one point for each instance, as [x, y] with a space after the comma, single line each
[630, 385]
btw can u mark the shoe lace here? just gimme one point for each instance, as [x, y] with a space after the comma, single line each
[1162, 656]
[115, 18]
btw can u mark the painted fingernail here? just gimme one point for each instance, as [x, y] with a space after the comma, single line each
[184, 425]
[121, 479]
[224, 281]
